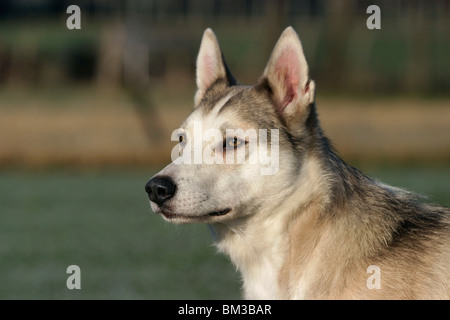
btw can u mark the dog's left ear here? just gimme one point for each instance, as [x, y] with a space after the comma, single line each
[287, 76]
[211, 66]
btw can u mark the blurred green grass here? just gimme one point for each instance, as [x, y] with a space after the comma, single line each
[102, 222]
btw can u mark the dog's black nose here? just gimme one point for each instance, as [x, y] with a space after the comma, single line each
[160, 189]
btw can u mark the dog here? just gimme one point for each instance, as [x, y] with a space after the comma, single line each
[313, 227]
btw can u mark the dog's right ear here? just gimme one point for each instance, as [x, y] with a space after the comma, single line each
[211, 66]
[287, 76]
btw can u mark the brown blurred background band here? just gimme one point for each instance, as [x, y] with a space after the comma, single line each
[111, 93]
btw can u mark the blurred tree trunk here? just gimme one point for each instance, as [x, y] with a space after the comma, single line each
[137, 84]
[339, 19]
[275, 20]
[109, 72]
[24, 62]
[420, 36]
[124, 63]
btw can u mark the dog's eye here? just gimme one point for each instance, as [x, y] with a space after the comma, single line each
[182, 138]
[234, 143]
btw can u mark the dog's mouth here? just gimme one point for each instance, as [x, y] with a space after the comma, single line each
[171, 215]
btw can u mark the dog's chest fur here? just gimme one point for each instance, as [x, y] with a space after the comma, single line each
[258, 259]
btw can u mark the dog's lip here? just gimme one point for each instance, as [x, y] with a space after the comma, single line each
[219, 213]
[172, 215]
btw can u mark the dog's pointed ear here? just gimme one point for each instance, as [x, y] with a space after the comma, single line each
[287, 76]
[210, 65]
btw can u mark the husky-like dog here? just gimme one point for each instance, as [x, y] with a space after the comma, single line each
[316, 228]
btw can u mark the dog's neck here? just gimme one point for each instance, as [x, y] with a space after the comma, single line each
[257, 252]
[258, 244]
[262, 244]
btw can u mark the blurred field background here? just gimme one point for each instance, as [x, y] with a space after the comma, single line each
[86, 117]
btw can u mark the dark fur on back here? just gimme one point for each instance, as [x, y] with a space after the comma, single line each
[405, 217]
[405, 220]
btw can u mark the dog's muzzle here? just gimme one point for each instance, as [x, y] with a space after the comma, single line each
[160, 189]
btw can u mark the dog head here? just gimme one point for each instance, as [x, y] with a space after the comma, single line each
[239, 148]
